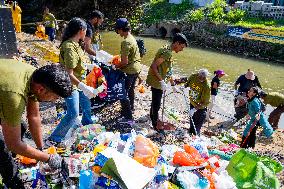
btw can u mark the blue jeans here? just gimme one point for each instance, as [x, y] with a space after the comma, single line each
[73, 102]
[50, 32]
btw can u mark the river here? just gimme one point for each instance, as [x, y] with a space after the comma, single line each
[270, 74]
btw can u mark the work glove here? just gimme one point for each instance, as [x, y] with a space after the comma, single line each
[56, 27]
[87, 90]
[236, 93]
[100, 89]
[192, 111]
[175, 89]
[54, 161]
[163, 85]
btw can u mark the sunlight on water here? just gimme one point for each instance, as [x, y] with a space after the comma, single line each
[271, 75]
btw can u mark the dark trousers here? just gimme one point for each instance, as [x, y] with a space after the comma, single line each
[250, 141]
[197, 120]
[50, 32]
[275, 115]
[8, 168]
[127, 104]
[155, 105]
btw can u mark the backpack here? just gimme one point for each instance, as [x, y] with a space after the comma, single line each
[141, 46]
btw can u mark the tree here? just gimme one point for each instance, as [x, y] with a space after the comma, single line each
[217, 11]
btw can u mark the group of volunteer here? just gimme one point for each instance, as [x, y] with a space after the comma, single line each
[66, 80]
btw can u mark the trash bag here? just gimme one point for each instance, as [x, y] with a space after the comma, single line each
[146, 152]
[95, 79]
[248, 171]
[86, 179]
[191, 157]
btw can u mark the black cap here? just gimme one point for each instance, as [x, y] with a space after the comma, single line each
[179, 37]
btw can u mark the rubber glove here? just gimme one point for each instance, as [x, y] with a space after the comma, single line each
[87, 90]
[163, 85]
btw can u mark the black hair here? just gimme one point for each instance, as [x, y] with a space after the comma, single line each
[96, 14]
[256, 90]
[72, 28]
[55, 78]
[180, 38]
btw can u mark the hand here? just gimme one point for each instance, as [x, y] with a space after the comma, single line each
[54, 161]
[192, 111]
[113, 67]
[163, 85]
[90, 67]
[88, 91]
[236, 93]
[257, 117]
[247, 117]
[56, 27]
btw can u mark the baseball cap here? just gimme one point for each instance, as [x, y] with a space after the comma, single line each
[121, 23]
[219, 72]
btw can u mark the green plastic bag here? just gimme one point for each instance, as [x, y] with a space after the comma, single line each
[252, 172]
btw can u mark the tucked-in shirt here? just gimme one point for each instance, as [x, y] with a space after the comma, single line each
[199, 92]
[130, 49]
[72, 57]
[15, 79]
[246, 84]
[215, 80]
[274, 99]
[164, 69]
[49, 20]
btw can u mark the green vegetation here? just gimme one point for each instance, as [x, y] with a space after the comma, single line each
[194, 16]
[158, 10]
[262, 23]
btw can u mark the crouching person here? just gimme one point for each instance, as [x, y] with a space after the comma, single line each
[22, 86]
[255, 115]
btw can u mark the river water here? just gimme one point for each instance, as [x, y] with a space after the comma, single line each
[270, 74]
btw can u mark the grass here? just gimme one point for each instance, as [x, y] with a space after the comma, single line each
[262, 23]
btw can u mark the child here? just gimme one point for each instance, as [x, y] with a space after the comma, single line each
[215, 83]
[255, 115]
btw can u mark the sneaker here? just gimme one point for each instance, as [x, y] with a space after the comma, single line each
[49, 143]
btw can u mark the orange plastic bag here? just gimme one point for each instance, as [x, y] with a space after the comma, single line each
[146, 152]
[190, 157]
[26, 160]
[209, 177]
[116, 60]
[95, 79]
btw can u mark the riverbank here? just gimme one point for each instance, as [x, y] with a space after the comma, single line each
[271, 147]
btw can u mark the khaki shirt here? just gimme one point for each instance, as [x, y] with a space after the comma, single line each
[73, 57]
[15, 79]
[49, 20]
[164, 69]
[199, 91]
[130, 49]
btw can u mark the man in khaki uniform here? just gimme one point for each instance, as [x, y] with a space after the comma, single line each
[22, 86]
[130, 64]
[160, 73]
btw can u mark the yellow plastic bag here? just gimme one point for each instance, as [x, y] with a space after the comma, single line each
[146, 152]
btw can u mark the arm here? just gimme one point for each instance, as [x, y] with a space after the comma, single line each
[124, 61]
[257, 82]
[12, 136]
[154, 68]
[205, 98]
[124, 52]
[34, 121]
[215, 85]
[88, 46]
[73, 78]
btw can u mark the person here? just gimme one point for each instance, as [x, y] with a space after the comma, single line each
[95, 19]
[242, 86]
[215, 83]
[16, 15]
[160, 73]
[199, 95]
[275, 99]
[130, 65]
[30, 87]
[50, 24]
[72, 57]
[255, 115]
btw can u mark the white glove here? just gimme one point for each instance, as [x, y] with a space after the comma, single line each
[113, 67]
[90, 67]
[56, 27]
[101, 89]
[87, 90]
[163, 85]
[236, 93]
[192, 111]
[175, 89]
[54, 161]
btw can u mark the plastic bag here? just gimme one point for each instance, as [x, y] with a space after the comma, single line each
[191, 157]
[224, 181]
[86, 179]
[146, 152]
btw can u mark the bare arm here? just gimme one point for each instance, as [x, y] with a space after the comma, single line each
[88, 46]
[73, 78]
[215, 85]
[12, 136]
[34, 121]
[154, 67]
[124, 62]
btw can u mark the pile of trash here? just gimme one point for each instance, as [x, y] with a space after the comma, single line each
[97, 158]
